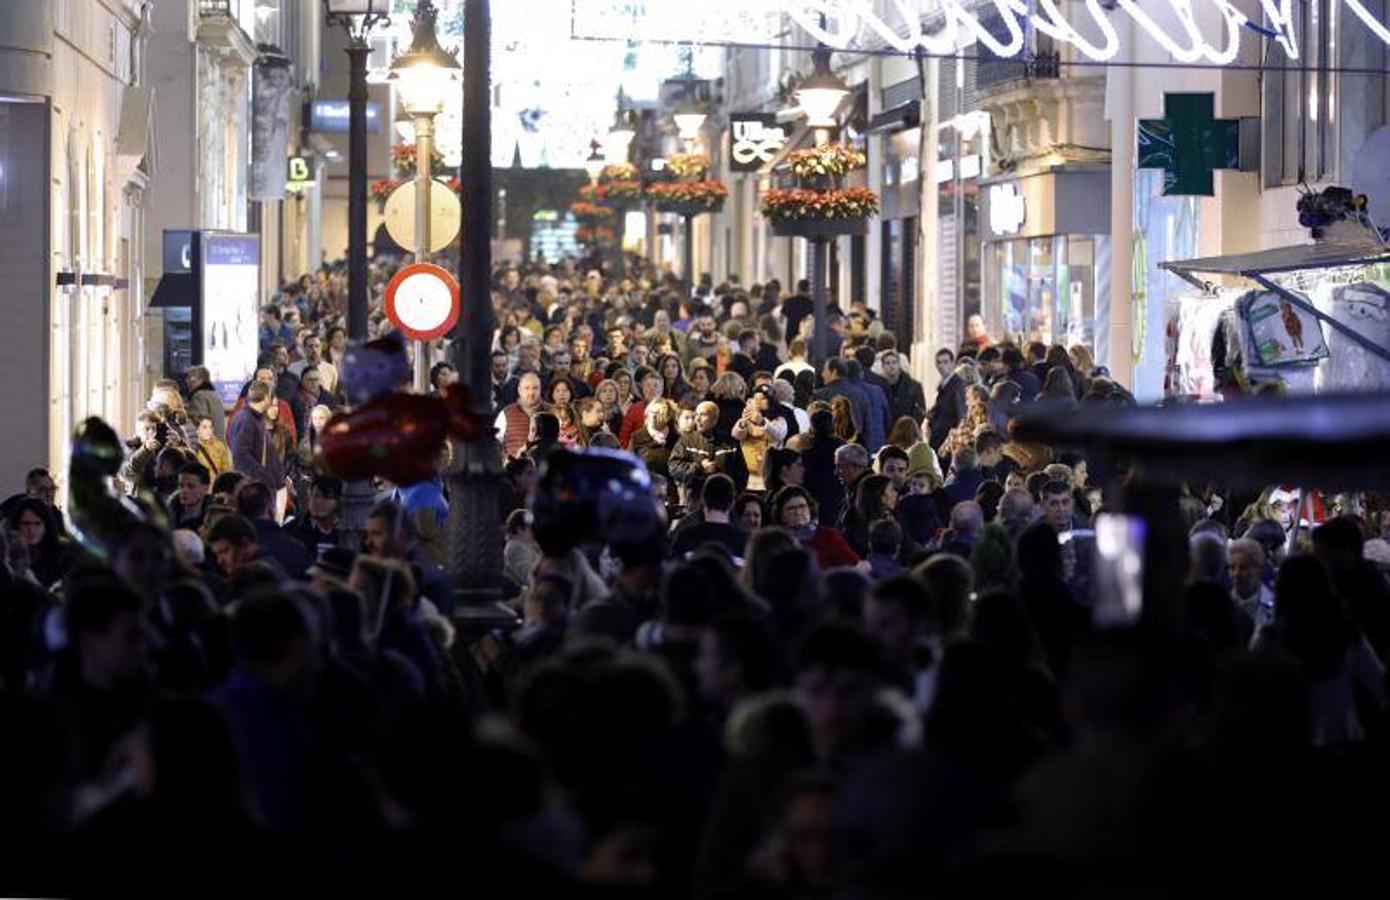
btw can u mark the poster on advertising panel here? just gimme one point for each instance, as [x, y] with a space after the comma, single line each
[231, 304]
[1282, 334]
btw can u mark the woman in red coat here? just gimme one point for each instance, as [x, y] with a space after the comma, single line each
[795, 510]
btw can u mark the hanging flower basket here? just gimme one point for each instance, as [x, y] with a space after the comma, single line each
[833, 160]
[590, 213]
[801, 205]
[618, 172]
[688, 198]
[692, 166]
[598, 236]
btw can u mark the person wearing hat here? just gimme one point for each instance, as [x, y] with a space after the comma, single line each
[919, 512]
[332, 568]
[319, 525]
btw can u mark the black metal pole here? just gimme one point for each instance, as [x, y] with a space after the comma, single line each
[475, 524]
[689, 271]
[357, 190]
[821, 334]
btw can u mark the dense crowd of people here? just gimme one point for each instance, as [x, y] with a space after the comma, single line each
[861, 658]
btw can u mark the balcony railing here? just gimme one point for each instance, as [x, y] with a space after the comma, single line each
[993, 71]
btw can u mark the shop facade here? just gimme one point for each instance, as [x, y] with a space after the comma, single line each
[1045, 266]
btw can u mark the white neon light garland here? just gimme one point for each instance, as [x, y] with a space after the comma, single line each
[898, 24]
[964, 28]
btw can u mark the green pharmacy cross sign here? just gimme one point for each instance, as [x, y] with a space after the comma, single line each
[1188, 143]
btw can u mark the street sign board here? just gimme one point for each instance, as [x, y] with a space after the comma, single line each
[422, 301]
[755, 139]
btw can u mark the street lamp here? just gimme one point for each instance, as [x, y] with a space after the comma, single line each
[357, 18]
[621, 135]
[689, 120]
[819, 94]
[594, 162]
[423, 76]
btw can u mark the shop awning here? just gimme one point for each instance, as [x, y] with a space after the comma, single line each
[175, 289]
[1282, 259]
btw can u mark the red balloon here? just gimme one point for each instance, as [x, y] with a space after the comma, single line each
[398, 436]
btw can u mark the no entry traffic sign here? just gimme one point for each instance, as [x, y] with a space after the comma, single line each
[422, 301]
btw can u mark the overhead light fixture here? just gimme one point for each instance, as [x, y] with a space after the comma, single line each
[621, 135]
[689, 113]
[594, 163]
[357, 16]
[819, 94]
[425, 73]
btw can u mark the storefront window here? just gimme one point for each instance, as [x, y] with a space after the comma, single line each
[1042, 289]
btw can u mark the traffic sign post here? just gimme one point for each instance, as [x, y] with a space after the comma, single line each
[422, 303]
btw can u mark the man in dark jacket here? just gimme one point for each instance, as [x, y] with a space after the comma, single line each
[1018, 373]
[949, 407]
[879, 421]
[819, 459]
[256, 501]
[835, 374]
[904, 391]
[796, 307]
[708, 450]
[253, 452]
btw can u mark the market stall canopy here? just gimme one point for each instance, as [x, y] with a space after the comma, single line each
[1325, 255]
[1331, 441]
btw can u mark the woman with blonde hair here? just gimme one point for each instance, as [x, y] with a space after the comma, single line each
[976, 418]
[609, 396]
[652, 443]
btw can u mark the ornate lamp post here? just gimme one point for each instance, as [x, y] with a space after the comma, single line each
[423, 76]
[819, 95]
[475, 533]
[357, 17]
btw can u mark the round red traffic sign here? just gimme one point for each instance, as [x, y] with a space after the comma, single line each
[422, 301]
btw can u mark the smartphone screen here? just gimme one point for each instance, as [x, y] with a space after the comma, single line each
[1118, 578]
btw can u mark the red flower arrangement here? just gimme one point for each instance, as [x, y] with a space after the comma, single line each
[381, 190]
[621, 190]
[799, 203]
[590, 212]
[595, 235]
[708, 194]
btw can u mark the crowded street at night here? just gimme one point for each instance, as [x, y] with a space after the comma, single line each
[844, 450]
